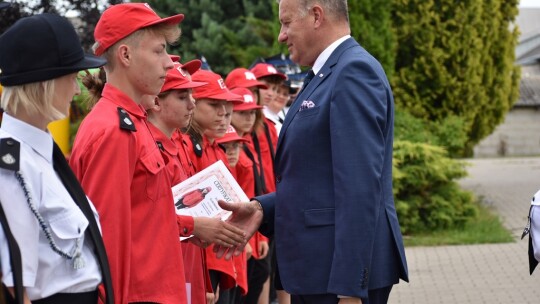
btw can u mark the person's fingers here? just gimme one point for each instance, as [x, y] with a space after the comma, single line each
[227, 206]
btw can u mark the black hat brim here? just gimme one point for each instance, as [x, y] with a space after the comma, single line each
[88, 62]
[4, 5]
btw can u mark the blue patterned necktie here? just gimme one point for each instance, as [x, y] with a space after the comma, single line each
[308, 78]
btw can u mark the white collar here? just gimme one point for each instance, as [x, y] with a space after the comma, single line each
[323, 57]
[39, 140]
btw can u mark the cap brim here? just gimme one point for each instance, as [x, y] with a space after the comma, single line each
[230, 97]
[4, 5]
[192, 66]
[176, 19]
[242, 107]
[88, 62]
[227, 140]
[187, 85]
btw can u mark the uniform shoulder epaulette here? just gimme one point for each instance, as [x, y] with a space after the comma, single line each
[197, 148]
[10, 153]
[125, 120]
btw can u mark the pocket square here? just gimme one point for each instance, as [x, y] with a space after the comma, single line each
[306, 104]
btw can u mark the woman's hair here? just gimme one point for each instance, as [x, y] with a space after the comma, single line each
[94, 82]
[195, 131]
[33, 98]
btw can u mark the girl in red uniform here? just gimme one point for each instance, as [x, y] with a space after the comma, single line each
[167, 112]
[211, 118]
[267, 137]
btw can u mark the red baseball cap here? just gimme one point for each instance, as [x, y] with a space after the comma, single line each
[265, 69]
[216, 88]
[229, 136]
[243, 78]
[248, 100]
[121, 20]
[178, 78]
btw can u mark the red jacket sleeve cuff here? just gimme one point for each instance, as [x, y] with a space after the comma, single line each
[185, 225]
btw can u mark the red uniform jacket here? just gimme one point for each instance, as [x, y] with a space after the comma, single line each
[211, 153]
[121, 169]
[246, 179]
[195, 270]
[266, 146]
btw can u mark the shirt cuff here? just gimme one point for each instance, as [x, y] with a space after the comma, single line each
[185, 225]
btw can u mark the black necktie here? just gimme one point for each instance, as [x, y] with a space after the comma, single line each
[15, 261]
[72, 185]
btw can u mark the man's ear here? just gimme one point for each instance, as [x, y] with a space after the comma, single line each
[318, 15]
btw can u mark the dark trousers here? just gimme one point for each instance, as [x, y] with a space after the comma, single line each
[225, 296]
[376, 296]
[70, 298]
[258, 271]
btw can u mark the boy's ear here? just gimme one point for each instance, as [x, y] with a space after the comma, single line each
[123, 54]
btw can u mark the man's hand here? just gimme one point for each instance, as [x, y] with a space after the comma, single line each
[213, 230]
[247, 217]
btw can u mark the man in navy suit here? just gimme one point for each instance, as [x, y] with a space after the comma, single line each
[336, 230]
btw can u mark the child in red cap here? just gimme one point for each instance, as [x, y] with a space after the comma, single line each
[169, 111]
[232, 144]
[211, 118]
[267, 135]
[119, 164]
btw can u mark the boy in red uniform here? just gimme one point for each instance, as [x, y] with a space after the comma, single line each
[119, 164]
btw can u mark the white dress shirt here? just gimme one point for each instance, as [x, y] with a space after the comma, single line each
[45, 272]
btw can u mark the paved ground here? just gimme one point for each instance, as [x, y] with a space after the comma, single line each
[496, 273]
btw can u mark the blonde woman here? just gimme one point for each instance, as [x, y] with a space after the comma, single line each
[56, 227]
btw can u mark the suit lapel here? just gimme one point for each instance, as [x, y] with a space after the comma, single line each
[71, 183]
[306, 92]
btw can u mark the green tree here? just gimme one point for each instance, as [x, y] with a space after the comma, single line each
[371, 25]
[456, 59]
[228, 33]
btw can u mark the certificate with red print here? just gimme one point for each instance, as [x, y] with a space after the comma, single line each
[199, 194]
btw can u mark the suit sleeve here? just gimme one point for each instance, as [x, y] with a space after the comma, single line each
[358, 122]
[267, 202]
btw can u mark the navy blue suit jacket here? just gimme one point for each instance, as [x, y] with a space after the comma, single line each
[333, 215]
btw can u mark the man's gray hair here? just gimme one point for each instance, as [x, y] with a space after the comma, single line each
[336, 8]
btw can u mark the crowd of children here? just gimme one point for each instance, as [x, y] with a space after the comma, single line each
[155, 122]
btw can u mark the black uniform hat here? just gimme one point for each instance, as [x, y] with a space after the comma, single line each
[4, 4]
[42, 47]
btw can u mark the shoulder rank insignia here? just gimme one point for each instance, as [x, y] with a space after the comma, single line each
[197, 148]
[125, 120]
[10, 151]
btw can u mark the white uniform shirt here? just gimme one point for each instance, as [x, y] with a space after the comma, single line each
[535, 224]
[44, 271]
[273, 117]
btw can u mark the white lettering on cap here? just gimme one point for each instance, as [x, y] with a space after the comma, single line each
[272, 70]
[182, 71]
[222, 84]
[148, 7]
[248, 98]
[250, 76]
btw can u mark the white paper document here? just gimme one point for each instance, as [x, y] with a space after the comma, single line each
[199, 194]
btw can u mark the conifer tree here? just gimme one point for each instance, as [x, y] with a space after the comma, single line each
[456, 59]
